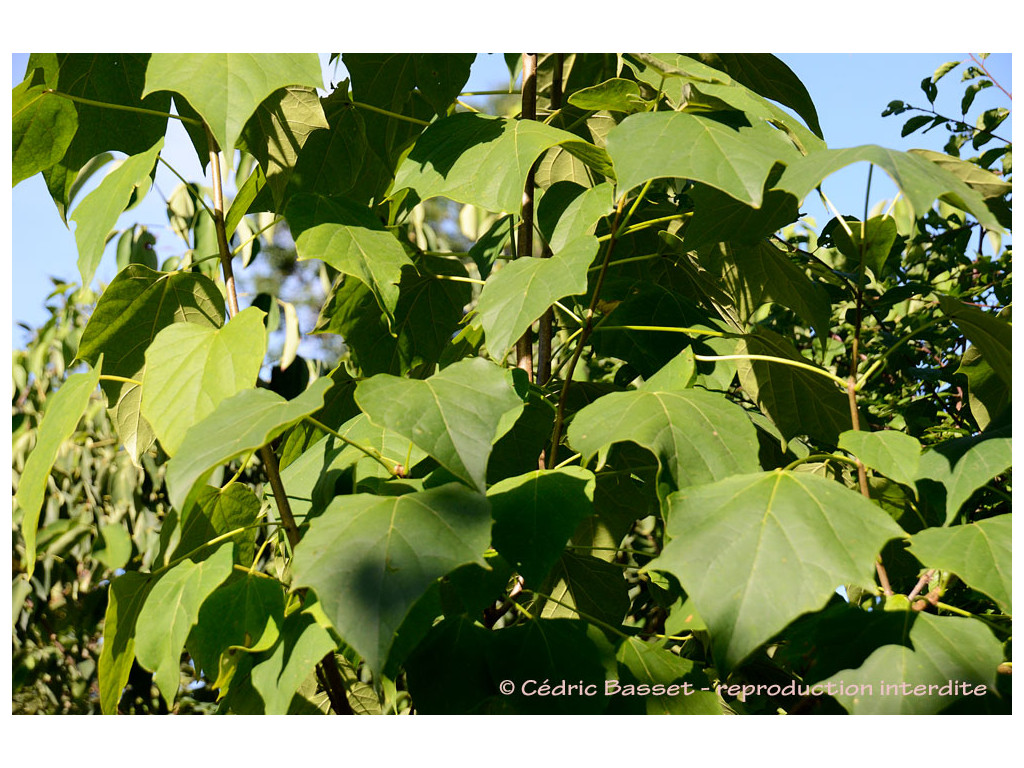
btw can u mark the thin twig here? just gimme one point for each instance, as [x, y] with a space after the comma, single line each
[524, 346]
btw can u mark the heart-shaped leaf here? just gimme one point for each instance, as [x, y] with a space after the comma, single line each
[797, 537]
[370, 558]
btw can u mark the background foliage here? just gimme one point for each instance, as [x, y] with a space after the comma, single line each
[743, 454]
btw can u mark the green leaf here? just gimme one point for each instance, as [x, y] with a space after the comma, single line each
[115, 546]
[797, 537]
[938, 653]
[226, 88]
[491, 244]
[42, 127]
[722, 150]
[483, 161]
[267, 682]
[190, 368]
[137, 305]
[798, 401]
[536, 513]
[720, 218]
[657, 668]
[170, 611]
[114, 79]
[244, 199]
[582, 215]
[586, 587]
[370, 558]
[427, 315]
[615, 95]
[352, 240]
[127, 594]
[455, 415]
[63, 411]
[240, 424]
[870, 242]
[921, 181]
[697, 436]
[987, 393]
[991, 334]
[979, 553]
[277, 131]
[963, 474]
[519, 293]
[769, 76]
[98, 212]
[245, 613]
[986, 183]
[895, 454]
[219, 511]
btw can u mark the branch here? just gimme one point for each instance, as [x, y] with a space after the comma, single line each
[524, 347]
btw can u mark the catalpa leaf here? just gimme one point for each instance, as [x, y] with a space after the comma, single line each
[895, 454]
[536, 513]
[63, 411]
[190, 368]
[127, 594]
[584, 586]
[137, 305]
[349, 238]
[921, 181]
[979, 553]
[649, 664]
[483, 161]
[42, 127]
[524, 289]
[722, 150]
[238, 425]
[797, 535]
[170, 611]
[370, 558]
[226, 88]
[963, 474]
[697, 436]
[918, 677]
[98, 212]
[455, 415]
[991, 334]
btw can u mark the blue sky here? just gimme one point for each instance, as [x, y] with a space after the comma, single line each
[850, 90]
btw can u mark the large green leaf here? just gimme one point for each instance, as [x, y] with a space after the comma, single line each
[987, 393]
[769, 76]
[614, 95]
[483, 161]
[370, 558]
[42, 127]
[170, 611]
[986, 183]
[190, 368]
[895, 454]
[352, 240]
[755, 551]
[979, 553]
[515, 296]
[98, 212]
[455, 415]
[63, 410]
[427, 315]
[137, 305]
[535, 514]
[869, 243]
[240, 424]
[277, 131]
[226, 88]
[581, 216]
[653, 670]
[963, 474]
[245, 613]
[127, 594]
[921, 181]
[218, 512]
[722, 150]
[991, 334]
[798, 401]
[697, 436]
[114, 79]
[917, 678]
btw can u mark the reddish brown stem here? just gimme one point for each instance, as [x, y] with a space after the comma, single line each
[524, 347]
